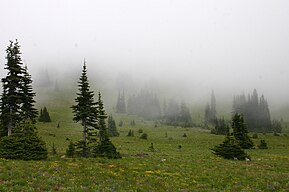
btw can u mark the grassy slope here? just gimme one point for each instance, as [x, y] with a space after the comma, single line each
[168, 168]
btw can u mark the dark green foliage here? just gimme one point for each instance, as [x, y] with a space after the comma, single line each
[44, 115]
[23, 144]
[276, 134]
[230, 149]
[221, 127]
[144, 104]
[144, 136]
[276, 126]
[130, 133]
[105, 148]
[263, 144]
[255, 136]
[240, 132]
[17, 97]
[120, 105]
[85, 111]
[28, 112]
[256, 112]
[140, 131]
[185, 135]
[111, 127]
[81, 149]
[70, 151]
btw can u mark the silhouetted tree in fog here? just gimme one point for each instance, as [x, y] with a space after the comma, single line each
[85, 112]
[256, 112]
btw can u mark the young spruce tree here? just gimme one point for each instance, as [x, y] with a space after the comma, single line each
[240, 132]
[105, 148]
[85, 112]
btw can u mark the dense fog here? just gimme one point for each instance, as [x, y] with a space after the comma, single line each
[177, 48]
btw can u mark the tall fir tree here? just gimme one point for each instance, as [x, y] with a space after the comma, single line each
[11, 99]
[28, 112]
[85, 110]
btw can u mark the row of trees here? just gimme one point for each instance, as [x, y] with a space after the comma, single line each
[210, 111]
[255, 110]
[145, 104]
[176, 114]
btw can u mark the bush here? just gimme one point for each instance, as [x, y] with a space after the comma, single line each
[130, 133]
[230, 149]
[23, 144]
[70, 151]
[263, 144]
[255, 136]
[144, 136]
[106, 149]
[140, 131]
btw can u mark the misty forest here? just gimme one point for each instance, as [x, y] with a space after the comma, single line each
[151, 108]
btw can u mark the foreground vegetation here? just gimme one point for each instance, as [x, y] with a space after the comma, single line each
[175, 163]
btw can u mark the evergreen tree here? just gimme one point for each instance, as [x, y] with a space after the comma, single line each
[240, 132]
[185, 119]
[276, 126]
[210, 111]
[70, 151]
[230, 149]
[111, 126]
[221, 127]
[105, 148]
[120, 106]
[28, 112]
[23, 144]
[11, 99]
[85, 111]
[256, 111]
[44, 115]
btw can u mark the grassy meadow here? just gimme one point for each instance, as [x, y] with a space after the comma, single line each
[177, 163]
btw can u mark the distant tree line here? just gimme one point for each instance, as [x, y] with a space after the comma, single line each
[211, 112]
[120, 105]
[144, 104]
[176, 114]
[255, 110]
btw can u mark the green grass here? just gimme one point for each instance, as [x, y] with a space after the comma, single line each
[167, 168]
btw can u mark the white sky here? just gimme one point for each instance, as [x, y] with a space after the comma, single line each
[205, 44]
